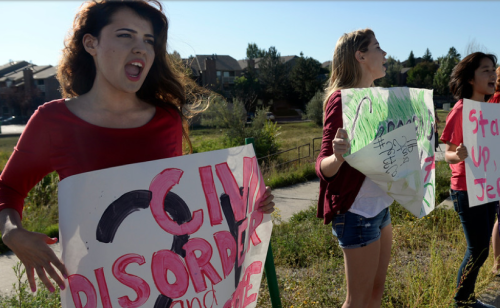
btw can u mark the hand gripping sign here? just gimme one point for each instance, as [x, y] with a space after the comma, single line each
[182, 232]
[481, 137]
[368, 114]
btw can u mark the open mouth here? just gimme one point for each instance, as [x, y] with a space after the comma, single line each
[491, 84]
[133, 69]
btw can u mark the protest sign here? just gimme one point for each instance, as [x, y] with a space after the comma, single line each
[173, 233]
[372, 112]
[392, 162]
[481, 137]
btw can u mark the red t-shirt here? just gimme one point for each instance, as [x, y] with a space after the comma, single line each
[57, 140]
[495, 98]
[453, 133]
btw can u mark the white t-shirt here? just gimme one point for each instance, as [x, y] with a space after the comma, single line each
[371, 200]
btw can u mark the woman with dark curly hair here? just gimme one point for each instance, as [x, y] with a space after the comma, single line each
[473, 78]
[124, 104]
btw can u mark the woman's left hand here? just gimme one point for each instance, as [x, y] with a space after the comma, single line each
[267, 204]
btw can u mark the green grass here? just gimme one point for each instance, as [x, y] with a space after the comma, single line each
[443, 176]
[425, 258]
[442, 121]
[6, 148]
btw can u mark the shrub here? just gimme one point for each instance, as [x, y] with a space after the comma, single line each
[314, 109]
[232, 118]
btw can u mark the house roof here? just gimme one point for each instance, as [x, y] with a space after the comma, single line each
[46, 73]
[244, 63]
[18, 74]
[326, 64]
[405, 69]
[15, 73]
[222, 63]
[11, 66]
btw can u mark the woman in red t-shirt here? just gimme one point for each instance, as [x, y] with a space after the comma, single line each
[473, 78]
[356, 206]
[125, 105]
[496, 230]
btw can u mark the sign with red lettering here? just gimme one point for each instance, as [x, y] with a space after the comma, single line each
[183, 232]
[481, 137]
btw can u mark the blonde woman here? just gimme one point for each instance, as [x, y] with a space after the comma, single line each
[357, 208]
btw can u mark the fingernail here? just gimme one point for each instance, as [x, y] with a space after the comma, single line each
[62, 287]
[33, 289]
[65, 276]
[51, 289]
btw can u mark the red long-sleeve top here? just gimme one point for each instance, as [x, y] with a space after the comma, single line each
[336, 194]
[56, 139]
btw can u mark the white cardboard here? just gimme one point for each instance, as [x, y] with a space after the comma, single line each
[83, 199]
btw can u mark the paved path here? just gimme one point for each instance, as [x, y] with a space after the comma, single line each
[12, 129]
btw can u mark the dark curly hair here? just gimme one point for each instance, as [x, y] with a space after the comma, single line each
[463, 72]
[165, 85]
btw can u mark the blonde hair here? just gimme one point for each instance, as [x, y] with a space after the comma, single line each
[346, 71]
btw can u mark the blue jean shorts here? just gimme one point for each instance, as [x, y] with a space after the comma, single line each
[354, 231]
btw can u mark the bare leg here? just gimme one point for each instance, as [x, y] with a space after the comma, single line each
[496, 248]
[366, 269]
[383, 264]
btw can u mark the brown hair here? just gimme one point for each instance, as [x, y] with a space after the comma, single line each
[463, 72]
[165, 86]
[346, 71]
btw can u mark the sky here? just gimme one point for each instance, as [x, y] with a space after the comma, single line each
[35, 30]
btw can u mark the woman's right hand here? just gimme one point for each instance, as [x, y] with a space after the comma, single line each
[340, 144]
[33, 251]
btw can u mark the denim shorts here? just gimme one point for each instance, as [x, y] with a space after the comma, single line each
[354, 231]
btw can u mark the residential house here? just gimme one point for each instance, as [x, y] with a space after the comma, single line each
[24, 86]
[214, 71]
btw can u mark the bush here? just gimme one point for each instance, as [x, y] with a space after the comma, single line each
[232, 118]
[314, 109]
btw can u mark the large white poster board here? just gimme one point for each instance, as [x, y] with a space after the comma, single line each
[173, 233]
[370, 113]
[392, 162]
[481, 136]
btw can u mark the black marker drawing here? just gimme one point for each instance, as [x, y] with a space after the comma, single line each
[233, 225]
[117, 211]
[351, 134]
[163, 301]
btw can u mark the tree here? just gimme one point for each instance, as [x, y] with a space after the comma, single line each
[247, 88]
[442, 77]
[411, 59]
[273, 74]
[427, 56]
[392, 72]
[304, 78]
[421, 75]
[253, 51]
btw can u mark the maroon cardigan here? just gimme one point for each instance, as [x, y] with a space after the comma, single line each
[336, 194]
